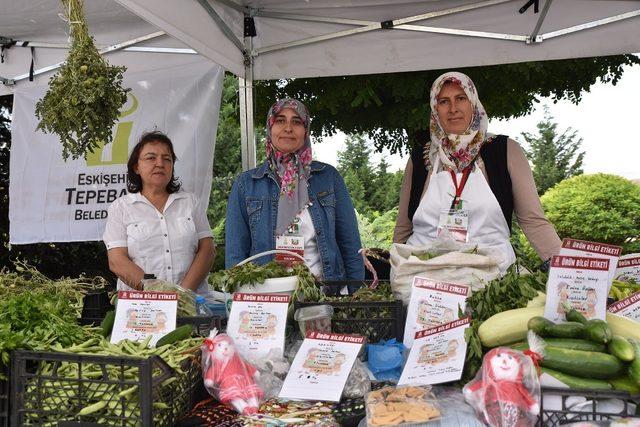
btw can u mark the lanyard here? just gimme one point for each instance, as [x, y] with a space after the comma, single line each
[456, 203]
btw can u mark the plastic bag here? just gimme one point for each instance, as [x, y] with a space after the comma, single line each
[273, 370]
[448, 261]
[186, 297]
[385, 360]
[506, 390]
[407, 405]
[314, 318]
[358, 383]
[227, 376]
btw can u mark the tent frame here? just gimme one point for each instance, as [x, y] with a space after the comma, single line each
[246, 87]
[249, 53]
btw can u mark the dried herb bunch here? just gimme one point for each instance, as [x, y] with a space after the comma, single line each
[85, 95]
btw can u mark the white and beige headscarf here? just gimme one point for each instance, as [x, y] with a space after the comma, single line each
[456, 151]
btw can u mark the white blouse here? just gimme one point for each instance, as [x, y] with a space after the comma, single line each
[161, 243]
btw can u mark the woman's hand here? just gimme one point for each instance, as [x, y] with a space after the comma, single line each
[121, 265]
[201, 265]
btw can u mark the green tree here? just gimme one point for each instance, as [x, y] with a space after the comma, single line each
[602, 208]
[554, 157]
[393, 109]
[373, 190]
[227, 163]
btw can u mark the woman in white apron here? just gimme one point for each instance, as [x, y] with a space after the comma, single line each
[471, 187]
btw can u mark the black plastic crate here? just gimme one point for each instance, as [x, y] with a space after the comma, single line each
[375, 320]
[95, 306]
[45, 393]
[4, 403]
[587, 412]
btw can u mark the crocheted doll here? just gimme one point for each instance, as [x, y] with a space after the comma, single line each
[498, 393]
[228, 377]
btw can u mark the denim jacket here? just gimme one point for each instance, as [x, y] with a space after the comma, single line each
[252, 212]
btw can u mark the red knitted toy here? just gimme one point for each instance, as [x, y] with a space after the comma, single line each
[228, 377]
[499, 394]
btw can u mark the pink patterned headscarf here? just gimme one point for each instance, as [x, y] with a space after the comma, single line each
[292, 169]
[456, 151]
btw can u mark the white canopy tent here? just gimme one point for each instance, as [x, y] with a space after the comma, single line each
[269, 39]
[35, 31]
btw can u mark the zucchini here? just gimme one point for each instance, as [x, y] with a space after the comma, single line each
[625, 384]
[623, 326]
[565, 330]
[621, 348]
[107, 323]
[598, 331]
[570, 343]
[578, 382]
[538, 301]
[181, 333]
[539, 324]
[507, 327]
[582, 363]
[574, 315]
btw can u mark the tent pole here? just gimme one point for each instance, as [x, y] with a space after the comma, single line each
[247, 128]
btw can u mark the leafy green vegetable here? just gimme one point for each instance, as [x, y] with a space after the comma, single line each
[506, 293]
[247, 274]
[27, 279]
[85, 96]
[36, 321]
[623, 289]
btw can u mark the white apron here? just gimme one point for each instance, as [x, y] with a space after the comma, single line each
[487, 226]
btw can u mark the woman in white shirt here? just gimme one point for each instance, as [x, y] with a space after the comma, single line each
[156, 228]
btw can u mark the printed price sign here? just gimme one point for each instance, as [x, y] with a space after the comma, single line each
[257, 323]
[321, 367]
[437, 354]
[432, 303]
[582, 248]
[140, 314]
[580, 282]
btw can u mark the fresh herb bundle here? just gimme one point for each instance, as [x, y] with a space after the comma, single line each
[85, 95]
[508, 292]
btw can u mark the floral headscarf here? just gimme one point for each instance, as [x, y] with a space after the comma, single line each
[292, 169]
[456, 151]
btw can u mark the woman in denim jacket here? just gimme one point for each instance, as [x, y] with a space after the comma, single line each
[293, 195]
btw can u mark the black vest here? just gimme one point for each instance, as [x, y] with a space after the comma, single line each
[494, 156]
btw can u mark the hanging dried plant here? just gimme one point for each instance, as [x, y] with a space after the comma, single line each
[85, 95]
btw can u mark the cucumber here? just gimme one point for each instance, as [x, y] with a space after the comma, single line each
[582, 363]
[634, 367]
[597, 330]
[625, 384]
[539, 324]
[181, 333]
[565, 330]
[570, 343]
[574, 315]
[578, 382]
[621, 348]
[107, 323]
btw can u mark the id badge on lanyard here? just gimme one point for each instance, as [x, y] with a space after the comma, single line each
[456, 219]
[293, 241]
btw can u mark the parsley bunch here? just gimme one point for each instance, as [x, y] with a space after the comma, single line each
[85, 95]
[508, 292]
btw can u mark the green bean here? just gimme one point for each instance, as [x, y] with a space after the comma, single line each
[92, 408]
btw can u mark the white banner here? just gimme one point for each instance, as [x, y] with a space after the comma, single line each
[51, 200]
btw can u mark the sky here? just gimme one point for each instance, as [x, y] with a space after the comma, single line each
[605, 119]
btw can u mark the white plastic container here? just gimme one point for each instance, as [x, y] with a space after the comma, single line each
[314, 318]
[277, 285]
